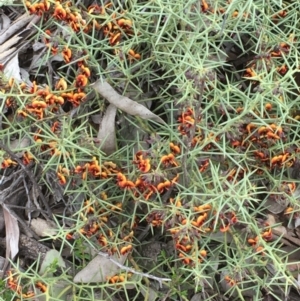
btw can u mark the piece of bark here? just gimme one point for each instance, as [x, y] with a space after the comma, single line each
[28, 247]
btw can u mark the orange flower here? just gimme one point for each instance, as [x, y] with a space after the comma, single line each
[126, 249]
[43, 93]
[267, 235]
[230, 281]
[8, 163]
[250, 73]
[81, 81]
[204, 6]
[133, 56]
[12, 283]
[124, 23]
[174, 148]
[40, 8]
[61, 173]
[185, 259]
[169, 160]
[34, 87]
[272, 136]
[126, 184]
[260, 250]
[102, 240]
[143, 164]
[59, 12]
[200, 220]
[67, 54]
[27, 158]
[203, 208]
[288, 210]
[253, 241]
[61, 84]
[161, 187]
[123, 182]
[85, 71]
[41, 286]
[282, 69]
[54, 50]
[95, 9]
[39, 104]
[115, 39]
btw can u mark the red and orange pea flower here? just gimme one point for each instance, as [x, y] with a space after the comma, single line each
[54, 50]
[85, 70]
[115, 38]
[175, 149]
[191, 259]
[184, 248]
[67, 54]
[200, 220]
[61, 85]
[41, 286]
[27, 158]
[119, 278]
[102, 240]
[81, 81]
[282, 69]
[13, 284]
[142, 164]
[126, 249]
[62, 173]
[124, 23]
[6, 163]
[230, 281]
[123, 183]
[253, 241]
[144, 188]
[260, 250]
[203, 208]
[227, 219]
[288, 187]
[288, 210]
[250, 72]
[169, 160]
[176, 202]
[186, 120]
[59, 12]
[90, 229]
[96, 9]
[267, 235]
[133, 55]
[203, 165]
[204, 6]
[89, 208]
[37, 8]
[162, 187]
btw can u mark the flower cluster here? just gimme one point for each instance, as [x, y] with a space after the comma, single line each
[114, 26]
[96, 218]
[13, 284]
[266, 235]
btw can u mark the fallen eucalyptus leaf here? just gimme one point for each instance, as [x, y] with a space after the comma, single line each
[6, 2]
[16, 26]
[99, 269]
[42, 227]
[51, 257]
[12, 233]
[4, 20]
[106, 133]
[124, 103]
[149, 294]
